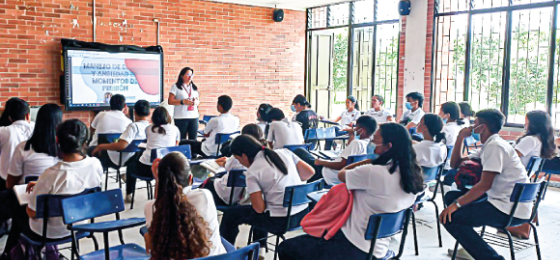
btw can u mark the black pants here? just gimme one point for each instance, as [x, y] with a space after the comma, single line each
[233, 217]
[187, 127]
[196, 147]
[18, 214]
[139, 169]
[305, 247]
[308, 158]
[2, 184]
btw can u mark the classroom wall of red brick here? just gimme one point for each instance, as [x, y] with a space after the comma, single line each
[235, 49]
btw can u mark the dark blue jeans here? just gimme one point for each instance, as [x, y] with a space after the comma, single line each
[307, 247]
[476, 214]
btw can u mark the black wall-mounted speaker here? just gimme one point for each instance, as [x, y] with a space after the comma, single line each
[404, 7]
[278, 15]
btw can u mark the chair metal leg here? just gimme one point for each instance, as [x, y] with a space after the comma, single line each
[537, 245]
[276, 247]
[148, 189]
[414, 233]
[119, 178]
[132, 200]
[455, 251]
[438, 224]
[106, 179]
[95, 244]
[106, 245]
[510, 240]
[482, 231]
[250, 236]
[546, 187]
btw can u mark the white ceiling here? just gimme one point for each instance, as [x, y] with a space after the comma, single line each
[285, 4]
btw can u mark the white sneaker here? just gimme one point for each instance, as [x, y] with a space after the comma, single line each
[128, 198]
[461, 254]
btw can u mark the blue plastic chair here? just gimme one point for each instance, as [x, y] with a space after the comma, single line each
[221, 138]
[293, 196]
[387, 225]
[104, 158]
[250, 252]
[229, 247]
[131, 148]
[96, 205]
[548, 172]
[522, 193]
[355, 158]
[205, 119]
[50, 206]
[236, 179]
[161, 152]
[470, 143]
[294, 147]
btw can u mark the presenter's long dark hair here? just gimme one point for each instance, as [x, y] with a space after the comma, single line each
[248, 145]
[43, 139]
[180, 81]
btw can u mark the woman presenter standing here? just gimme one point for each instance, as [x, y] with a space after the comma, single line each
[184, 96]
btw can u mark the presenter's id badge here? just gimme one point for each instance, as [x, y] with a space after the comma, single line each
[190, 108]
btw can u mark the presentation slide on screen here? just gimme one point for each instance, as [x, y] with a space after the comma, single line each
[94, 76]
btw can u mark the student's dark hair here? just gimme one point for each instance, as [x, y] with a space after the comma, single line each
[72, 135]
[368, 123]
[301, 100]
[466, 109]
[353, 99]
[180, 81]
[43, 139]
[177, 230]
[160, 117]
[401, 155]
[276, 114]
[263, 111]
[18, 109]
[434, 124]
[245, 144]
[255, 131]
[380, 98]
[5, 118]
[540, 125]
[117, 102]
[453, 110]
[225, 102]
[416, 96]
[492, 118]
[142, 108]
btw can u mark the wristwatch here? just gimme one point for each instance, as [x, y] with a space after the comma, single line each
[182, 102]
[457, 203]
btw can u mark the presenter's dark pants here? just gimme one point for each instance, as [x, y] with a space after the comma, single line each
[187, 127]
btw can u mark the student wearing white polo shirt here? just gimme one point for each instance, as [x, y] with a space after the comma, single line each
[269, 172]
[488, 202]
[282, 131]
[538, 140]
[377, 110]
[350, 115]
[379, 186]
[431, 151]
[414, 112]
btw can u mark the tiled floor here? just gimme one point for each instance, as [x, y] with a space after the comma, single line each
[549, 231]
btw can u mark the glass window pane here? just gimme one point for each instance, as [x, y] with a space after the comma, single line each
[339, 14]
[363, 11]
[524, 2]
[386, 62]
[319, 17]
[387, 10]
[556, 86]
[449, 62]
[529, 62]
[363, 66]
[485, 4]
[446, 6]
[340, 70]
[486, 66]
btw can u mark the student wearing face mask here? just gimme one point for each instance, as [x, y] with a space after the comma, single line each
[304, 114]
[414, 112]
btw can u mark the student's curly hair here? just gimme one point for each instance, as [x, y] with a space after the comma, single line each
[177, 230]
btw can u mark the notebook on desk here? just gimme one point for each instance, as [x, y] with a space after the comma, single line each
[21, 194]
[331, 154]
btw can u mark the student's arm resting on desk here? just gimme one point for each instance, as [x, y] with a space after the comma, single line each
[210, 127]
[332, 165]
[305, 170]
[118, 146]
[354, 165]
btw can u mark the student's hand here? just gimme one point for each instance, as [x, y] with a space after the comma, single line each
[155, 165]
[465, 132]
[221, 161]
[30, 186]
[447, 212]
[96, 151]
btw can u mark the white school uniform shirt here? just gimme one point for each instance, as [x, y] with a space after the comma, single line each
[413, 117]
[348, 117]
[109, 122]
[157, 140]
[266, 178]
[134, 131]
[220, 184]
[29, 163]
[529, 146]
[65, 178]
[497, 155]
[284, 132]
[451, 131]
[379, 116]
[356, 147]
[182, 111]
[375, 191]
[202, 200]
[262, 125]
[430, 153]
[10, 137]
[225, 123]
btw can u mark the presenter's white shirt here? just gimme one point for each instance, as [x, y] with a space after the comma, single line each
[134, 131]
[157, 140]
[29, 163]
[223, 124]
[185, 111]
[284, 132]
[380, 116]
[356, 147]
[529, 146]
[413, 117]
[10, 137]
[349, 117]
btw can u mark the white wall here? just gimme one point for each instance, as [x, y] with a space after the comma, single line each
[415, 48]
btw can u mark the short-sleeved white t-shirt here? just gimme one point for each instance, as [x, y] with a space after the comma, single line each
[266, 178]
[29, 163]
[220, 184]
[529, 146]
[223, 124]
[356, 147]
[451, 131]
[134, 131]
[430, 153]
[380, 116]
[202, 200]
[157, 140]
[185, 111]
[413, 117]
[284, 132]
[376, 191]
[109, 122]
[347, 117]
[65, 178]
[10, 137]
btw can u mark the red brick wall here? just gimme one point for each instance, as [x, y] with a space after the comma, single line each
[235, 49]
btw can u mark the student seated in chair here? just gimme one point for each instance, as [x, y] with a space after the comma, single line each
[282, 131]
[431, 151]
[108, 122]
[487, 202]
[538, 140]
[414, 112]
[386, 184]
[269, 172]
[359, 139]
[75, 173]
[182, 222]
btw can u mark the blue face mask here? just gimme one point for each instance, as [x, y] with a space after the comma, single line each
[475, 135]
[371, 151]
[445, 120]
[293, 108]
[408, 105]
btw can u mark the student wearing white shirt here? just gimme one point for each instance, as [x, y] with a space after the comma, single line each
[262, 118]
[466, 113]
[377, 111]
[487, 202]
[451, 114]
[185, 97]
[350, 115]
[110, 122]
[182, 222]
[414, 112]
[538, 140]
[268, 174]
[431, 151]
[282, 131]
[11, 136]
[379, 186]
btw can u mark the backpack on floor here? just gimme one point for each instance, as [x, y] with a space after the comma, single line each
[23, 251]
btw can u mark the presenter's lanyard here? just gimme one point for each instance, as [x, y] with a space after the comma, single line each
[188, 89]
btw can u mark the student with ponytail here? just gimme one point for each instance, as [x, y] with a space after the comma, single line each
[431, 152]
[182, 222]
[268, 174]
